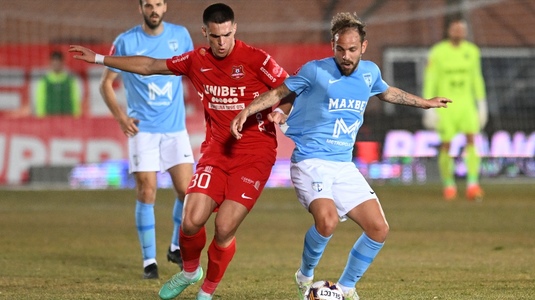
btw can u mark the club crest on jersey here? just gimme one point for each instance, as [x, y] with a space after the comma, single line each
[173, 45]
[317, 186]
[368, 78]
[237, 72]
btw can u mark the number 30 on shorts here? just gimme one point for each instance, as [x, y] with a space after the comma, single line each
[201, 181]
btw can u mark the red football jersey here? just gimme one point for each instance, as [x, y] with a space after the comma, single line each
[225, 87]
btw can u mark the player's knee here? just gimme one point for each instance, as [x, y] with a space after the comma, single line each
[190, 228]
[192, 223]
[224, 233]
[327, 225]
[146, 194]
[378, 231]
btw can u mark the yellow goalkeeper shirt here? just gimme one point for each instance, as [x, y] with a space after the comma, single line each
[455, 72]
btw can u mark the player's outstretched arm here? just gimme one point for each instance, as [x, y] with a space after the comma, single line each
[398, 96]
[142, 65]
[266, 100]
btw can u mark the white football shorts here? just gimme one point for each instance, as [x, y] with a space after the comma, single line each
[153, 152]
[341, 181]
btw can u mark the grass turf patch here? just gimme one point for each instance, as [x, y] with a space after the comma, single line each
[83, 245]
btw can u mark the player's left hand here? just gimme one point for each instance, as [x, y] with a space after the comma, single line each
[236, 125]
[85, 54]
[438, 102]
[277, 117]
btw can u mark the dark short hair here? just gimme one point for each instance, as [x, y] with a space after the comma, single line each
[56, 55]
[455, 19]
[218, 13]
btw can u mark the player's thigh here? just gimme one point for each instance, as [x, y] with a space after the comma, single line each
[175, 149]
[229, 217]
[325, 215]
[369, 215]
[247, 179]
[198, 208]
[350, 188]
[144, 152]
[312, 180]
[340, 181]
[181, 176]
[208, 180]
[239, 179]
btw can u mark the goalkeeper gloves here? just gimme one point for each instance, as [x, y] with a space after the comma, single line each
[430, 119]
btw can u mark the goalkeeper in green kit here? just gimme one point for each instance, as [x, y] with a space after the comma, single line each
[454, 71]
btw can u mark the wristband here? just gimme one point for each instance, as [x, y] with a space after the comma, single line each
[99, 59]
[279, 110]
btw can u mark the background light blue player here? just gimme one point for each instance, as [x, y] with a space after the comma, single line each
[154, 123]
[327, 113]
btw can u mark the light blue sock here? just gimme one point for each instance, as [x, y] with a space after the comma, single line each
[361, 256]
[146, 229]
[177, 219]
[313, 249]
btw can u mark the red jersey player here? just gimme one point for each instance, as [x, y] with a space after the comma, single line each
[231, 173]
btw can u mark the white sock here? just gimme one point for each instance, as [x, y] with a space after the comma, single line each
[203, 293]
[191, 275]
[149, 261]
[344, 288]
[303, 278]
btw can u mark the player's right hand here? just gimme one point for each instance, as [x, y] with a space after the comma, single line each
[280, 118]
[85, 54]
[237, 124]
[129, 126]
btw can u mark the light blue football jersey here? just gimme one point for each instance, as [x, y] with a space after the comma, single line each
[156, 100]
[329, 108]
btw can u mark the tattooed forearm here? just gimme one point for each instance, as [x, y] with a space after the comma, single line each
[398, 96]
[267, 99]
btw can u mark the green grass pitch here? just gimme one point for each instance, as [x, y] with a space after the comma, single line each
[83, 245]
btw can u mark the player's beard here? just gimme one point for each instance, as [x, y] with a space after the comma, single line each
[153, 24]
[347, 69]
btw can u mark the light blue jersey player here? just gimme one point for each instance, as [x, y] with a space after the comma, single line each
[330, 108]
[331, 97]
[155, 123]
[157, 101]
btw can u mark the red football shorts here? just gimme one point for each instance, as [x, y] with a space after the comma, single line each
[240, 178]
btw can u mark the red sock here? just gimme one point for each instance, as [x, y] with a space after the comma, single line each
[218, 260]
[191, 247]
